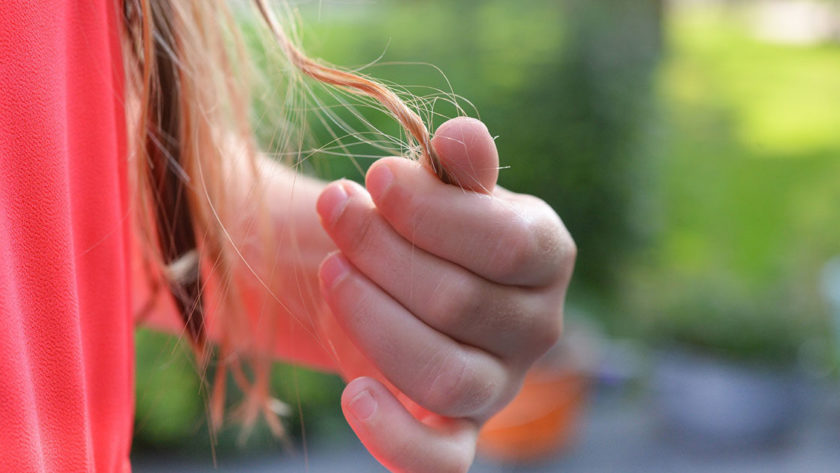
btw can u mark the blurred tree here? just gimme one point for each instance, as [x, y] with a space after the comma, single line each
[748, 192]
[589, 117]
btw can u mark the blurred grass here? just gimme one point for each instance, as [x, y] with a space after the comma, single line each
[749, 188]
[752, 151]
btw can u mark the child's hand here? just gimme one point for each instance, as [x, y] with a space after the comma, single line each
[450, 294]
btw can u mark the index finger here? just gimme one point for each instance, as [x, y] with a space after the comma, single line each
[504, 237]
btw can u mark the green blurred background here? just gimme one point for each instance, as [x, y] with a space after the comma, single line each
[692, 148]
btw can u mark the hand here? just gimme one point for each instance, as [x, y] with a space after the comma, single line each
[450, 294]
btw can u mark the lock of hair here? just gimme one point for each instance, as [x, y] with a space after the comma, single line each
[407, 118]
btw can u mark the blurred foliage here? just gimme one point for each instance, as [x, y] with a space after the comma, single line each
[171, 395]
[584, 142]
[168, 401]
[747, 192]
[718, 318]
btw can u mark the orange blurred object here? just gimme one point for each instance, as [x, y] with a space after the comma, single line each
[541, 420]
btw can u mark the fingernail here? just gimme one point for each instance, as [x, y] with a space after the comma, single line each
[334, 269]
[363, 405]
[379, 180]
[332, 202]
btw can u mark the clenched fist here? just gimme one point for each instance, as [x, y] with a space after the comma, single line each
[448, 293]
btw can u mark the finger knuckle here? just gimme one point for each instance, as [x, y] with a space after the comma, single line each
[549, 237]
[421, 218]
[455, 390]
[548, 332]
[514, 251]
[561, 242]
[535, 327]
[571, 248]
[457, 297]
[406, 210]
[445, 379]
[363, 236]
[545, 248]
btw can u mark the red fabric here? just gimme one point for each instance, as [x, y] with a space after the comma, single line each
[66, 355]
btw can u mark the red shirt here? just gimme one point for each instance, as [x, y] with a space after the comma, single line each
[66, 354]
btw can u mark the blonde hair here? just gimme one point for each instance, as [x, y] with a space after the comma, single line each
[187, 106]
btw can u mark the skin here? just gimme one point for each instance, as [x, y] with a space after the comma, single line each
[434, 300]
[469, 282]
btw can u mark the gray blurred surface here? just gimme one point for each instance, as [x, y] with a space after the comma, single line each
[618, 435]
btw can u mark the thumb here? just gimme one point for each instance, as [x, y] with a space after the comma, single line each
[468, 154]
[401, 442]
